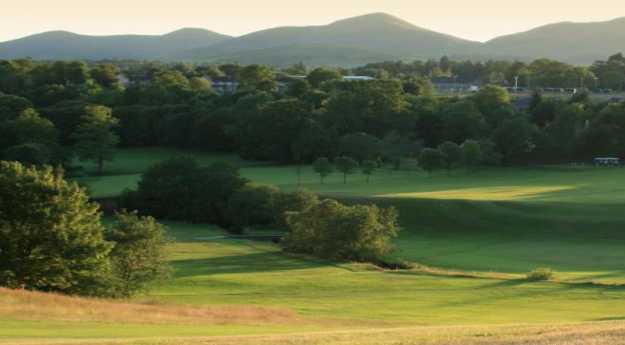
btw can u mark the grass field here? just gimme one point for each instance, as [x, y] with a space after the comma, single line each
[474, 236]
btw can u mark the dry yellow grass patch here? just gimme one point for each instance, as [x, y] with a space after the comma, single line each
[599, 333]
[28, 305]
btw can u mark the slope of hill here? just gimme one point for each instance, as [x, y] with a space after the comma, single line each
[59, 45]
[348, 42]
[345, 42]
[580, 43]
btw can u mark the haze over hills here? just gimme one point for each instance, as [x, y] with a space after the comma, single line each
[377, 35]
[60, 45]
[579, 43]
[353, 41]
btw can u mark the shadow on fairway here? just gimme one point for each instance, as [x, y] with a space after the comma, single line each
[246, 263]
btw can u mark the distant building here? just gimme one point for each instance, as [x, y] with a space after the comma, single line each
[223, 87]
[448, 86]
[357, 78]
[607, 161]
[123, 80]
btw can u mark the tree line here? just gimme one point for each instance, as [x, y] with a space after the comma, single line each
[541, 73]
[52, 112]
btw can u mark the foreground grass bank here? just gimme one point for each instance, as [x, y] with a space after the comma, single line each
[224, 287]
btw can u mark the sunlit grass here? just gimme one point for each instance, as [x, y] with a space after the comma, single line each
[484, 194]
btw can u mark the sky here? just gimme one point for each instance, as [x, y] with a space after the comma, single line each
[478, 20]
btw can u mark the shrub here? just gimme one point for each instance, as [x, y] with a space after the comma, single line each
[179, 189]
[431, 159]
[138, 257]
[451, 154]
[335, 231]
[286, 203]
[540, 274]
[251, 205]
[28, 154]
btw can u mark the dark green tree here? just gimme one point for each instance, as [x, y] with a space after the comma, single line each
[321, 75]
[368, 168]
[252, 205]
[471, 154]
[94, 137]
[430, 160]
[323, 167]
[346, 165]
[452, 155]
[514, 138]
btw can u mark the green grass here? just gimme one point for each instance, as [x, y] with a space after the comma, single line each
[246, 272]
[508, 220]
[479, 232]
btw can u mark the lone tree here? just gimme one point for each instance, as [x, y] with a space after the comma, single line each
[51, 238]
[335, 231]
[451, 153]
[94, 137]
[138, 257]
[346, 165]
[430, 160]
[368, 168]
[323, 167]
[471, 154]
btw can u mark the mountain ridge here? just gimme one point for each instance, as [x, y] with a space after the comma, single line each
[344, 42]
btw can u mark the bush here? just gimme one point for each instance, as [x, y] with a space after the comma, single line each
[331, 230]
[138, 258]
[179, 189]
[287, 203]
[540, 274]
[251, 205]
[431, 159]
[28, 154]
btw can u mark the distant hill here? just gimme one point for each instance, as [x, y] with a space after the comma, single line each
[349, 42]
[579, 43]
[367, 38]
[60, 45]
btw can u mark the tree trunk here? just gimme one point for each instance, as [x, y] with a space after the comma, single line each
[100, 165]
[299, 175]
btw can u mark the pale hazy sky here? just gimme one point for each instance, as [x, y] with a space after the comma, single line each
[471, 19]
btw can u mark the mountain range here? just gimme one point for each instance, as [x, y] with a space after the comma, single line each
[349, 42]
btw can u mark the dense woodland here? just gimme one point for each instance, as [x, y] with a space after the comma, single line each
[50, 112]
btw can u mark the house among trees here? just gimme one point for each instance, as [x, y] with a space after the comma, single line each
[607, 161]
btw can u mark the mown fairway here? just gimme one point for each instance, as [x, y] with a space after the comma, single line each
[475, 235]
[503, 220]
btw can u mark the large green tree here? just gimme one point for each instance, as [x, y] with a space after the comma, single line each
[51, 237]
